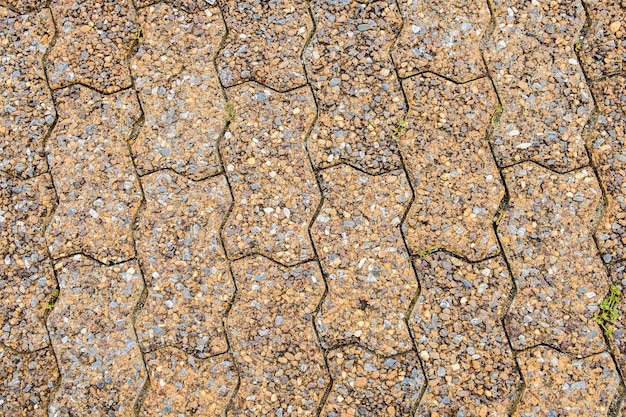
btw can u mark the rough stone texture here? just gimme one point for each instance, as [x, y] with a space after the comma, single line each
[24, 6]
[93, 173]
[273, 340]
[603, 50]
[93, 40]
[456, 323]
[558, 385]
[545, 99]
[92, 334]
[26, 274]
[269, 173]
[559, 276]
[26, 381]
[26, 108]
[606, 143]
[265, 41]
[182, 385]
[179, 91]
[369, 275]
[359, 96]
[367, 385]
[455, 179]
[442, 37]
[186, 271]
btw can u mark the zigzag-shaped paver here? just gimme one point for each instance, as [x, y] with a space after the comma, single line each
[456, 323]
[442, 37]
[26, 107]
[264, 43]
[94, 38]
[24, 6]
[179, 91]
[92, 334]
[370, 279]
[367, 385]
[545, 100]
[183, 385]
[559, 276]
[26, 273]
[558, 385]
[455, 179]
[273, 339]
[603, 50]
[26, 382]
[272, 181]
[359, 96]
[186, 271]
[606, 143]
[93, 173]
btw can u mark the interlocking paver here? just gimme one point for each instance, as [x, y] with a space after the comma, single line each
[94, 38]
[92, 334]
[606, 143]
[265, 41]
[179, 91]
[442, 37]
[559, 276]
[603, 50]
[272, 181]
[26, 382]
[26, 274]
[545, 100]
[367, 385]
[456, 323]
[455, 179]
[186, 271]
[359, 96]
[558, 385]
[26, 107]
[273, 339]
[93, 173]
[370, 279]
[183, 385]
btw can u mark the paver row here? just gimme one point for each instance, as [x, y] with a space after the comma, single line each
[280, 367]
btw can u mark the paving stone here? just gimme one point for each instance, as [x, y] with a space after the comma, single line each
[26, 107]
[92, 334]
[93, 173]
[94, 38]
[456, 323]
[26, 382]
[273, 339]
[545, 100]
[272, 182]
[443, 38]
[606, 143]
[603, 50]
[264, 43]
[559, 276]
[359, 96]
[27, 278]
[558, 385]
[367, 385]
[191, 6]
[179, 91]
[369, 275]
[455, 179]
[186, 271]
[182, 385]
[23, 6]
